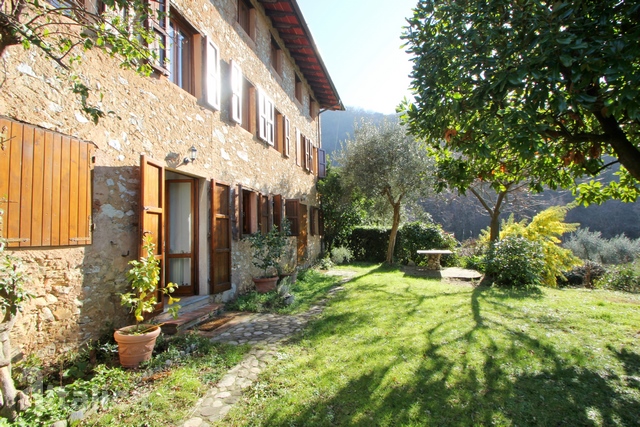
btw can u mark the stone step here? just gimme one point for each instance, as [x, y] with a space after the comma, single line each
[192, 318]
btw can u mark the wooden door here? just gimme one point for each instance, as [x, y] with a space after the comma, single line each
[181, 238]
[152, 215]
[220, 237]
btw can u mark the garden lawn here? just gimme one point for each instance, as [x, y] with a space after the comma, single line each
[395, 350]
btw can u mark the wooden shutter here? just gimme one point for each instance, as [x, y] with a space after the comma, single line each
[292, 212]
[240, 212]
[220, 237]
[152, 214]
[45, 187]
[312, 221]
[212, 74]
[322, 163]
[266, 118]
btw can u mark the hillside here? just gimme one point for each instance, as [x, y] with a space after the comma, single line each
[464, 217]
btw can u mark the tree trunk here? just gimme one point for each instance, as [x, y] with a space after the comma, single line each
[7, 388]
[494, 213]
[394, 232]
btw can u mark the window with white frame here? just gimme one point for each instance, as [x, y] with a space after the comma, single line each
[212, 75]
[266, 115]
[236, 92]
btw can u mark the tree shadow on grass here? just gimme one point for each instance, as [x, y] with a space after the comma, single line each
[484, 371]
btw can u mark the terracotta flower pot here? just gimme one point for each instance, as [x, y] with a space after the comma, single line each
[135, 348]
[265, 284]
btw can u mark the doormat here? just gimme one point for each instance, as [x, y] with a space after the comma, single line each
[217, 322]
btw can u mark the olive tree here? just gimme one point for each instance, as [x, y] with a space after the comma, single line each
[557, 80]
[386, 164]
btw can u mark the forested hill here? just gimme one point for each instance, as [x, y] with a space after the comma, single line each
[463, 215]
[338, 126]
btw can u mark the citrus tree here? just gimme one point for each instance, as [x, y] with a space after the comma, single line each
[555, 83]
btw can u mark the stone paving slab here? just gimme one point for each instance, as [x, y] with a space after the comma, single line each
[264, 332]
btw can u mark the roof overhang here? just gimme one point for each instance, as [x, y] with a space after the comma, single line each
[287, 19]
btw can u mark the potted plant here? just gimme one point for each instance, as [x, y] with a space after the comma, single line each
[267, 250]
[136, 342]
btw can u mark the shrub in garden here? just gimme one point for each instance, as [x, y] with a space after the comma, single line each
[584, 275]
[545, 230]
[369, 243]
[516, 262]
[341, 255]
[418, 235]
[621, 278]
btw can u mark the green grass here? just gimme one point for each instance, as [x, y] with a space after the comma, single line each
[395, 350]
[168, 397]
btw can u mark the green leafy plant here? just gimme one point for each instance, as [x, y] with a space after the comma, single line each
[144, 277]
[341, 254]
[268, 248]
[624, 278]
[418, 235]
[516, 262]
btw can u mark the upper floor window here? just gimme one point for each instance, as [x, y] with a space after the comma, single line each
[298, 89]
[212, 73]
[276, 56]
[266, 117]
[180, 53]
[247, 18]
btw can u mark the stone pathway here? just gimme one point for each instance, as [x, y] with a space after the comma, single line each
[264, 332]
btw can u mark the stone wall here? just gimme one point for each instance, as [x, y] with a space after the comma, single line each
[76, 288]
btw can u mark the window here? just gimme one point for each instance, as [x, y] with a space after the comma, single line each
[277, 211]
[247, 18]
[236, 92]
[212, 75]
[265, 214]
[283, 134]
[299, 147]
[313, 109]
[45, 187]
[298, 89]
[266, 117]
[180, 53]
[316, 226]
[248, 106]
[247, 211]
[322, 163]
[292, 213]
[159, 21]
[276, 56]
[287, 137]
[308, 164]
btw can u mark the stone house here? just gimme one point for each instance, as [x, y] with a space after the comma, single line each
[220, 142]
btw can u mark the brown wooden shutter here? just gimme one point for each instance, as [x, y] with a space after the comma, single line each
[220, 237]
[322, 163]
[312, 221]
[45, 187]
[292, 212]
[152, 214]
[240, 212]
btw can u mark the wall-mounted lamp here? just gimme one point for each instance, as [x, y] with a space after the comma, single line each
[193, 154]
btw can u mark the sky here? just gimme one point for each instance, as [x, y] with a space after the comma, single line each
[359, 41]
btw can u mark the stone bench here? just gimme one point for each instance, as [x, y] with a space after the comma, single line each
[433, 257]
